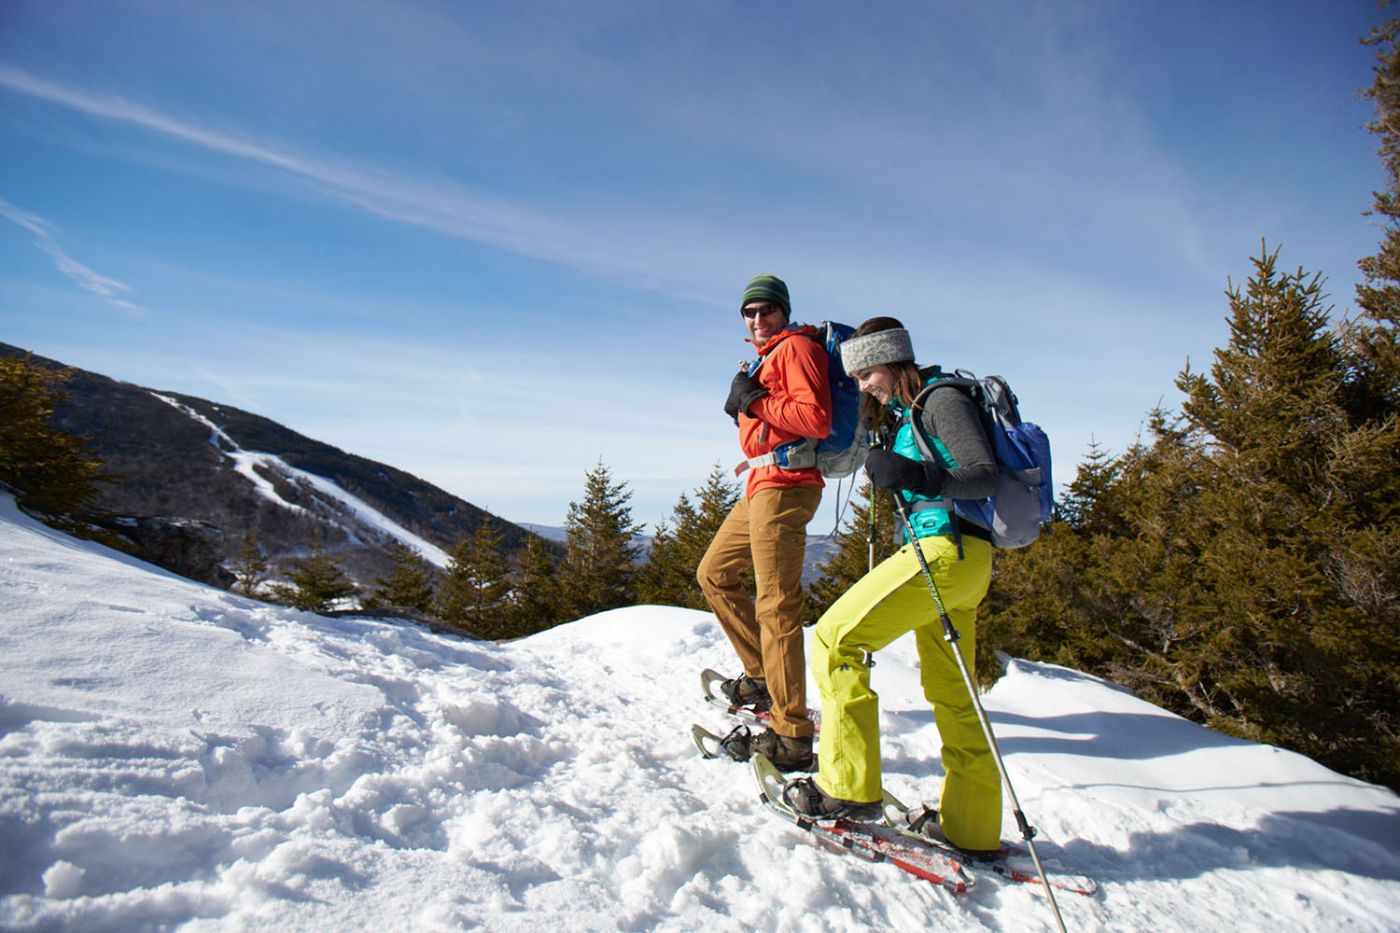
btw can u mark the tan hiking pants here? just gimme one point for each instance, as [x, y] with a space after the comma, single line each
[768, 532]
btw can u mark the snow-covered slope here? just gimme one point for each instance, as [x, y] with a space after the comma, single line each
[357, 514]
[175, 756]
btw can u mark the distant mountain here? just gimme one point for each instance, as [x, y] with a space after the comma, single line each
[560, 535]
[820, 549]
[195, 476]
[548, 532]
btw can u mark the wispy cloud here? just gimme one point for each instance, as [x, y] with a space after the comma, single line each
[686, 252]
[88, 279]
[433, 204]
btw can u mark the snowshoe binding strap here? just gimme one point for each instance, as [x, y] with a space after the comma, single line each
[922, 819]
[736, 743]
[803, 796]
[747, 691]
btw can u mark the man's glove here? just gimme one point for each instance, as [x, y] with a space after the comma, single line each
[743, 392]
[889, 470]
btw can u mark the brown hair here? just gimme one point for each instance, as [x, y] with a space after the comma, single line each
[907, 383]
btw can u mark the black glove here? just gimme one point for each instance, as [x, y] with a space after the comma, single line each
[889, 470]
[743, 392]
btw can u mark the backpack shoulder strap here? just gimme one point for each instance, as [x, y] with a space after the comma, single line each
[959, 380]
[915, 407]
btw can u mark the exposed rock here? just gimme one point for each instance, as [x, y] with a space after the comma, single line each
[185, 546]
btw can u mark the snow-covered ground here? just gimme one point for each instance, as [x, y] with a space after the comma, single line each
[175, 756]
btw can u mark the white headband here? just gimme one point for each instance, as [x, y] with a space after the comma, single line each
[883, 346]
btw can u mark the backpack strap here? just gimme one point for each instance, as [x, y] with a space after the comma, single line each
[793, 455]
[960, 381]
[926, 451]
[753, 463]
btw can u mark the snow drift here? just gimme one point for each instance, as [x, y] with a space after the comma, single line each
[172, 755]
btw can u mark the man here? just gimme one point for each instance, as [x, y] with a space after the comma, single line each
[787, 400]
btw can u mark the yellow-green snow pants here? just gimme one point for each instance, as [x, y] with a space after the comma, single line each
[884, 604]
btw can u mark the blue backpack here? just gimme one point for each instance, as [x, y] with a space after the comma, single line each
[1025, 496]
[841, 452]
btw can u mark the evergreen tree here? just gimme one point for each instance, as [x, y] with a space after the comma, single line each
[1238, 568]
[534, 601]
[697, 528]
[409, 584]
[668, 577]
[250, 567]
[49, 470]
[597, 572]
[1299, 488]
[661, 580]
[1087, 501]
[474, 589]
[1374, 387]
[858, 543]
[1271, 398]
[316, 581]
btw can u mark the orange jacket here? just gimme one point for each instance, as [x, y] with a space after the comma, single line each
[798, 405]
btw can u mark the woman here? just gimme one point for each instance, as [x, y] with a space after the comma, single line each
[894, 598]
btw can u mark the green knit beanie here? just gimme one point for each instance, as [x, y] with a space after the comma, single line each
[768, 288]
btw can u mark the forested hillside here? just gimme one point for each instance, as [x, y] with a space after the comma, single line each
[181, 499]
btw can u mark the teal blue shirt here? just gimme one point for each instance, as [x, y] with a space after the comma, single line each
[928, 522]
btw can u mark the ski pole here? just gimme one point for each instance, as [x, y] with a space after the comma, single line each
[870, 535]
[950, 635]
[874, 440]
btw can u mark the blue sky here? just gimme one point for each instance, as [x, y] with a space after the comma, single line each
[494, 243]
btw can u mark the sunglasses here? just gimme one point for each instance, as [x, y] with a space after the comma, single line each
[760, 309]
